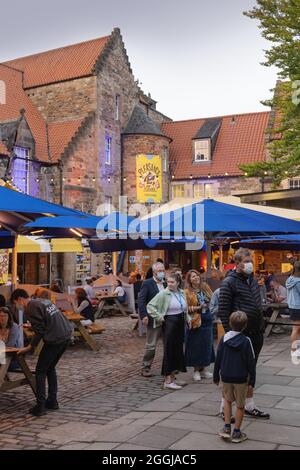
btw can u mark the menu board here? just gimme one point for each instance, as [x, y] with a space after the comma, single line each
[83, 264]
[4, 259]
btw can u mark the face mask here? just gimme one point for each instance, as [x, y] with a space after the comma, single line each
[248, 268]
[160, 276]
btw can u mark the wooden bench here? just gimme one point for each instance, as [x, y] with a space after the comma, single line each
[95, 329]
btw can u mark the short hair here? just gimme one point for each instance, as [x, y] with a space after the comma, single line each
[42, 293]
[296, 267]
[241, 253]
[18, 294]
[89, 281]
[157, 265]
[238, 321]
[138, 277]
[160, 260]
[119, 282]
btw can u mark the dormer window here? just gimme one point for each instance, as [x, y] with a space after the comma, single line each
[202, 150]
[205, 140]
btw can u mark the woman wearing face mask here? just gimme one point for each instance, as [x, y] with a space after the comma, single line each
[169, 309]
[199, 352]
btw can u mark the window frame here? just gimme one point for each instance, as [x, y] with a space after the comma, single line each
[208, 159]
[108, 147]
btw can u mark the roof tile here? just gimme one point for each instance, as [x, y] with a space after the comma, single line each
[240, 141]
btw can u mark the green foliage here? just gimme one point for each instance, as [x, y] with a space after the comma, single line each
[279, 21]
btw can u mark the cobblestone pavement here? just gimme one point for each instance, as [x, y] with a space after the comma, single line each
[106, 404]
[94, 387]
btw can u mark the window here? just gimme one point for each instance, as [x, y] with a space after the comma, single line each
[198, 190]
[294, 183]
[165, 159]
[20, 171]
[117, 108]
[208, 191]
[178, 190]
[108, 205]
[202, 150]
[108, 140]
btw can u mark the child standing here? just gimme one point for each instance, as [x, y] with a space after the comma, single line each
[235, 366]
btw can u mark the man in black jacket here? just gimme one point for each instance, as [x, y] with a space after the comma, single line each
[49, 324]
[149, 289]
[240, 291]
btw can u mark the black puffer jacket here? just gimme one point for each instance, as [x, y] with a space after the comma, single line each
[241, 293]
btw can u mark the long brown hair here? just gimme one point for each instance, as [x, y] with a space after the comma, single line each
[203, 285]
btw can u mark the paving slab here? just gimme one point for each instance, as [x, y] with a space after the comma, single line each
[152, 418]
[206, 424]
[128, 446]
[294, 383]
[293, 371]
[274, 379]
[203, 441]
[74, 446]
[288, 448]
[283, 416]
[268, 370]
[268, 432]
[289, 403]
[279, 390]
[120, 434]
[158, 436]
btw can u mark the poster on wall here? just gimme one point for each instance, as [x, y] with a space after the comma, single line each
[149, 178]
[4, 257]
[83, 264]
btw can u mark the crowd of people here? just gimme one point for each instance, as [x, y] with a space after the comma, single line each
[181, 310]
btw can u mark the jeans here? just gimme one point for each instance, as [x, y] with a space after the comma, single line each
[48, 358]
[152, 337]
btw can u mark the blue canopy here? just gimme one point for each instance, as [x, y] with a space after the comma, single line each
[17, 208]
[217, 219]
[276, 242]
[6, 240]
[108, 226]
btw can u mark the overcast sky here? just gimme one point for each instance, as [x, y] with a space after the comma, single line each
[197, 58]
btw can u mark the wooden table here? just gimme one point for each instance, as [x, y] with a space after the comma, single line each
[277, 307]
[113, 304]
[5, 381]
[82, 330]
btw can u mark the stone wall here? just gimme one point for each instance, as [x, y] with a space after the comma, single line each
[142, 144]
[72, 99]
[114, 78]
[223, 186]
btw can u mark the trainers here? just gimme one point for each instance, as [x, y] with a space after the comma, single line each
[172, 386]
[37, 410]
[197, 376]
[232, 420]
[146, 373]
[206, 375]
[182, 383]
[255, 413]
[238, 437]
[225, 433]
[52, 405]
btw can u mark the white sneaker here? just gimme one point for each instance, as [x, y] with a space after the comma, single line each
[197, 376]
[172, 386]
[206, 375]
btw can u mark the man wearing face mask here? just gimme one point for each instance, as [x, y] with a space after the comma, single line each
[149, 289]
[240, 291]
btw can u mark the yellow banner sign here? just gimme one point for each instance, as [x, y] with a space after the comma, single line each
[149, 178]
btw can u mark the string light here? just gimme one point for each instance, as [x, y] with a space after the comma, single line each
[226, 174]
[246, 174]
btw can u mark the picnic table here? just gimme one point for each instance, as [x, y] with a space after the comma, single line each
[109, 302]
[84, 332]
[6, 383]
[277, 307]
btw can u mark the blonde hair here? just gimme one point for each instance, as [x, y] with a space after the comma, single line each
[46, 294]
[203, 285]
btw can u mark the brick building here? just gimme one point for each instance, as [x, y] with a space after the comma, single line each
[75, 120]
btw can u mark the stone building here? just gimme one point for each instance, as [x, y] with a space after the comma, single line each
[75, 123]
[80, 98]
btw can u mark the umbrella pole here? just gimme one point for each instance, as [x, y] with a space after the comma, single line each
[208, 257]
[114, 260]
[14, 264]
[221, 258]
